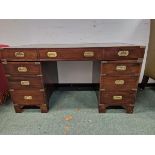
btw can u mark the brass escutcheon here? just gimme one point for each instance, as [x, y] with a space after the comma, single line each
[123, 53]
[19, 54]
[25, 83]
[119, 82]
[52, 54]
[27, 97]
[117, 97]
[121, 68]
[88, 54]
[22, 69]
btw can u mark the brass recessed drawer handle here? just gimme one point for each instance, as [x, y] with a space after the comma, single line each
[117, 97]
[88, 54]
[119, 82]
[19, 54]
[27, 97]
[22, 69]
[121, 68]
[52, 54]
[123, 53]
[25, 83]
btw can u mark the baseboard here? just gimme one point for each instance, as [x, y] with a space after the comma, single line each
[76, 87]
[84, 86]
[148, 85]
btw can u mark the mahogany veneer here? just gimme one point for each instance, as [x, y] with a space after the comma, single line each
[29, 70]
[130, 67]
[22, 68]
[25, 82]
[120, 83]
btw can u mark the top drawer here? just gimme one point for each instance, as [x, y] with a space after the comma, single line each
[19, 54]
[22, 68]
[127, 67]
[121, 53]
[70, 53]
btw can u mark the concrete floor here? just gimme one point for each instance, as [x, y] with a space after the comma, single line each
[75, 112]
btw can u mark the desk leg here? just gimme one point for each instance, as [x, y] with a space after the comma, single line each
[102, 108]
[44, 108]
[18, 108]
[144, 82]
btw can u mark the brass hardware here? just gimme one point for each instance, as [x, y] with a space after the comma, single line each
[117, 97]
[25, 83]
[4, 61]
[102, 89]
[104, 62]
[88, 54]
[134, 89]
[27, 97]
[39, 75]
[7, 75]
[22, 69]
[103, 74]
[11, 89]
[19, 54]
[37, 63]
[123, 53]
[52, 54]
[121, 68]
[140, 60]
[142, 46]
[119, 82]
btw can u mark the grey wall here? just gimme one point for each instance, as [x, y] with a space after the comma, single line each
[19, 32]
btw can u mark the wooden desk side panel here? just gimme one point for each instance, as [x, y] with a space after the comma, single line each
[50, 72]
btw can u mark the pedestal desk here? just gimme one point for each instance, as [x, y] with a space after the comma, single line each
[29, 69]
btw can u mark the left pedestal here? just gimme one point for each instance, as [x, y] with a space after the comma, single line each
[26, 85]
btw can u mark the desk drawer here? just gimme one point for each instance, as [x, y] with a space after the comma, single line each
[118, 83]
[121, 53]
[22, 68]
[70, 54]
[25, 82]
[28, 97]
[19, 54]
[120, 68]
[116, 98]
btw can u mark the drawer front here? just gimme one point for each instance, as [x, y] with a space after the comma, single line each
[19, 54]
[70, 54]
[22, 68]
[118, 83]
[28, 97]
[116, 98]
[120, 68]
[122, 53]
[25, 82]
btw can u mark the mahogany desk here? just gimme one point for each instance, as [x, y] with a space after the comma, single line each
[30, 68]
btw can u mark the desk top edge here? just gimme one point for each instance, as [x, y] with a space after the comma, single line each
[81, 45]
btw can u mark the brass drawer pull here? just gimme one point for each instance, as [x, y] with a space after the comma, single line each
[121, 68]
[88, 54]
[25, 83]
[52, 54]
[27, 97]
[117, 97]
[19, 54]
[22, 69]
[123, 53]
[119, 82]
